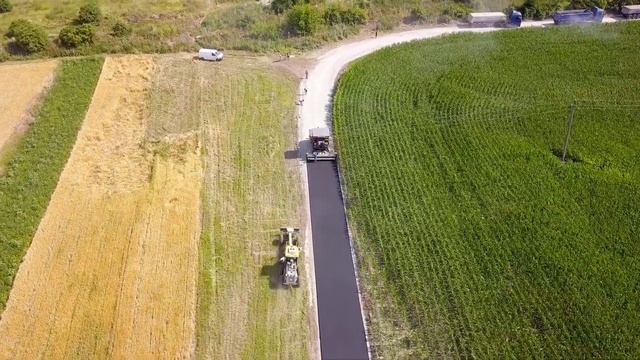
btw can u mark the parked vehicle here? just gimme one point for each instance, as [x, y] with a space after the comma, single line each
[593, 15]
[210, 54]
[631, 11]
[498, 19]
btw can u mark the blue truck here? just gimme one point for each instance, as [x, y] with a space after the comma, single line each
[593, 15]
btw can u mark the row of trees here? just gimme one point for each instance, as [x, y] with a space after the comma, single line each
[31, 38]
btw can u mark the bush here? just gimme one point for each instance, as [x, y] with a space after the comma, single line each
[89, 14]
[281, 6]
[29, 38]
[389, 21]
[586, 4]
[120, 29]
[303, 19]
[539, 9]
[73, 36]
[618, 4]
[5, 6]
[15, 26]
[337, 13]
[425, 14]
[456, 10]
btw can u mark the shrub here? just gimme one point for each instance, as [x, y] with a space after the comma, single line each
[89, 14]
[29, 38]
[15, 26]
[303, 19]
[539, 9]
[337, 13]
[5, 6]
[281, 6]
[586, 4]
[389, 20]
[73, 36]
[120, 29]
[456, 10]
[425, 14]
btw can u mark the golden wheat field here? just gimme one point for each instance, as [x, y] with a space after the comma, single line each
[22, 84]
[112, 269]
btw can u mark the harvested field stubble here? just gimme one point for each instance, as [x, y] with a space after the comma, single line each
[247, 110]
[112, 269]
[488, 245]
[21, 86]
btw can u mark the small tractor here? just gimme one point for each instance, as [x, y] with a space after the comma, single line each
[289, 239]
[322, 145]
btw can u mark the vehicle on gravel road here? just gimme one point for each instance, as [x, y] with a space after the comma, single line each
[592, 15]
[498, 19]
[210, 54]
[631, 11]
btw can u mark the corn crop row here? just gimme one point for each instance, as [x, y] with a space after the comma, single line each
[489, 244]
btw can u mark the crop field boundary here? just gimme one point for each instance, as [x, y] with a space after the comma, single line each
[112, 268]
[25, 85]
[39, 157]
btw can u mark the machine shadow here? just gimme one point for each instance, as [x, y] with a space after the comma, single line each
[273, 271]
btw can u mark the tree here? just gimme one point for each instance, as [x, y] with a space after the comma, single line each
[73, 36]
[5, 6]
[303, 19]
[89, 14]
[29, 38]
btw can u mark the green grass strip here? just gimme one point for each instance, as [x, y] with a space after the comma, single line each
[33, 172]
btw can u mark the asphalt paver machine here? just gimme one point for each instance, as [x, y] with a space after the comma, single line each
[321, 145]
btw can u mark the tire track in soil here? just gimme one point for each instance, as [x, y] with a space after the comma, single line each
[112, 269]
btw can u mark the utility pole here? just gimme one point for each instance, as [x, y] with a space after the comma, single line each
[572, 111]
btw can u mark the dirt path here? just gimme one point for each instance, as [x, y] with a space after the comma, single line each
[21, 86]
[112, 269]
[324, 74]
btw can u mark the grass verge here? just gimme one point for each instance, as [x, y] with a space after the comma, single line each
[488, 244]
[250, 190]
[39, 158]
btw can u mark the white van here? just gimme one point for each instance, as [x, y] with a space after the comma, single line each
[210, 54]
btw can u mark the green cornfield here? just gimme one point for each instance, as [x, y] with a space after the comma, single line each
[474, 239]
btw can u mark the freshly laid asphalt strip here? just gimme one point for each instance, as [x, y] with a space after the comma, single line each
[342, 333]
